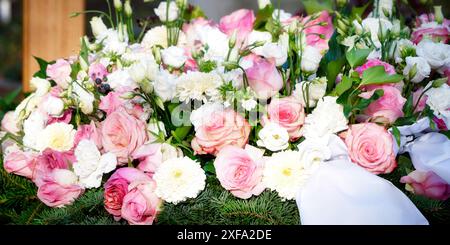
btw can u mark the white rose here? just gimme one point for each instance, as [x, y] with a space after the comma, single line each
[327, 118]
[311, 57]
[373, 25]
[439, 101]
[91, 165]
[54, 106]
[120, 79]
[273, 137]
[436, 54]
[86, 99]
[97, 26]
[165, 85]
[162, 13]
[40, 86]
[421, 66]
[173, 56]
[316, 91]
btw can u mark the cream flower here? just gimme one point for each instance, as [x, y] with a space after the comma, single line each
[58, 136]
[273, 137]
[91, 165]
[198, 86]
[178, 179]
[167, 15]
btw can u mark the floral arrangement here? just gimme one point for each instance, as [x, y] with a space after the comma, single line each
[318, 109]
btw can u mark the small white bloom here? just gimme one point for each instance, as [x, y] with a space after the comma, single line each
[358, 27]
[54, 106]
[249, 104]
[311, 57]
[327, 118]
[280, 14]
[436, 54]
[165, 85]
[57, 136]
[263, 3]
[27, 106]
[439, 101]
[85, 99]
[168, 152]
[137, 72]
[286, 173]
[173, 56]
[273, 137]
[120, 79]
[216, 41]
[316, 90]
[275, 51]
[97, 26]
[421, 66]
[199, 86]
[40, 86]
[167, 15]
[113, 42]
[91, 165]
[373, 25]
[155, 36]
[385, 7]
[178, 179]
[260, 37]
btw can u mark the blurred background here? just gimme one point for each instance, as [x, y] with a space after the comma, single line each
[43, 28]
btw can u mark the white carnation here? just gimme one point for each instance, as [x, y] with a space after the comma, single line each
[436, 54]
[311, 57]
[327, 118]
[199, 86]
[316, 90]
[91, 165]
[165, 85]
[439, 101]
[273, 137]
[286, 173]
[173, 56]
[421, 67]
[178, 179]
[167, 15]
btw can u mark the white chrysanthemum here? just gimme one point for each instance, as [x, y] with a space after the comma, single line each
[200, 86]
[439, 101]
[285, 173]
[91, 165]
[327, 118]
[178, 179]
[58, 136]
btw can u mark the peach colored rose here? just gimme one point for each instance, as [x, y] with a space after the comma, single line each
[122, 134]
[20, 163]
[59, 188]
[263, 77]
[288, 113]
[427, 184]
[240, 171]
[140, 204]
[60, 72]
[117, 187]
[221, 128]
[241, 20]
[386, 109]
[371, 147]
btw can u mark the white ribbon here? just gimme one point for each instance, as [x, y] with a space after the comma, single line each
[342, 193]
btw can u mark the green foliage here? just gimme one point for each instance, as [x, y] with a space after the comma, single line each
[377, 75]
[7, 103]
[262, 17]
[42, 73]
[357, 57]
[314, 6]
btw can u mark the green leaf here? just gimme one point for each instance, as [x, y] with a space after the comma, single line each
[343, 86]
[408, 107]
[314, 6]
[42, 73]
[377, 75]
[263, 16]
[209, 168]
[181, 132]
[357, 57]
[360, 10]
[9, 99]
[396, 134]
[362, 103]
[332, 62]
[84, 52]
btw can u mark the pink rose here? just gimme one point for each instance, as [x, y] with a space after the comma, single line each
[122, 134]
[111, 102]
[427, 184]
[313, 29]
[140, 204]
[263, 77]
[150, 157]
[9, 123]
[220, 129]
[20, 163]
[241, 20]
[375, 62]
[89, 132]
[50, 160]
[97, 70]
[117, 187]
[387, 108]
[371, 147]
[59, 188]
[60, 72]
[240, 171]
[288, 113]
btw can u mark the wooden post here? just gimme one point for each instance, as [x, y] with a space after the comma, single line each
[49, 32]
